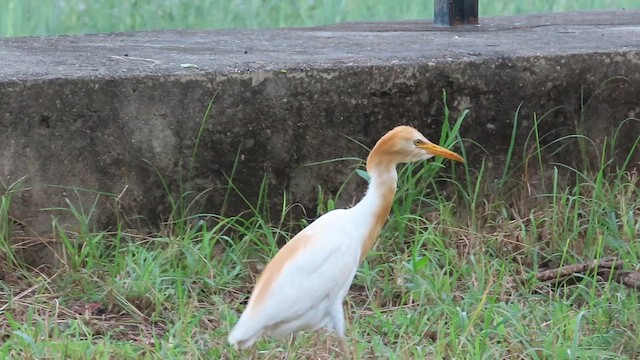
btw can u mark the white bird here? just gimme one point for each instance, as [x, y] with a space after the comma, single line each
[304, 285]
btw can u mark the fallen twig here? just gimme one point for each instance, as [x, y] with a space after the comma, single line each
[606, 268]
[627, 278]
[568, 270]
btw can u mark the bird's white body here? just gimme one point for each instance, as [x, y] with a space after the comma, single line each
[311, 288]
[304, 285]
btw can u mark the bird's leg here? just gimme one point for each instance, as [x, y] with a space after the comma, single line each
[326, 342]
[291, 347]
[344, 348]
[337, 320]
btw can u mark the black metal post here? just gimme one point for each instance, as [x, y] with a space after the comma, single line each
[455, 12]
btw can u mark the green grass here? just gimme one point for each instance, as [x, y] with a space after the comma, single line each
[53, 17]
[449, 278]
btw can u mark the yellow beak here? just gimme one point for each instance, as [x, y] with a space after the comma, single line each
[436, 150]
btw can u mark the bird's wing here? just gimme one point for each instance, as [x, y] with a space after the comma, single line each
[317, 262]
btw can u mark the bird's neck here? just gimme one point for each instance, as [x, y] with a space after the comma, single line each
[377, 202]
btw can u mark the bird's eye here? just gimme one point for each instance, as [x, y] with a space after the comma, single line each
[417, 142]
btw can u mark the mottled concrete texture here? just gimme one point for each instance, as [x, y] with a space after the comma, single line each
[110, 112]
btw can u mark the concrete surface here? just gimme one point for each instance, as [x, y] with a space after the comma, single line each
[108, 112]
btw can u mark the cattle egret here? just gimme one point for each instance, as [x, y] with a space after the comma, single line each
[304, 285]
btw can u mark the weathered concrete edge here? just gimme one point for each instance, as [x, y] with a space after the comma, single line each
[240, 51]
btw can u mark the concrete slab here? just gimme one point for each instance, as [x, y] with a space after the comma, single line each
[108, 112]
[343, 45]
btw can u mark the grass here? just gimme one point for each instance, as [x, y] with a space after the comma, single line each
[54, 17]
[450, 276]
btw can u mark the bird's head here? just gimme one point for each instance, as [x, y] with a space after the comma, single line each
[405, 144]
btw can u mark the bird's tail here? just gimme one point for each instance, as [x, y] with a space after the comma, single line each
[243, 334]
